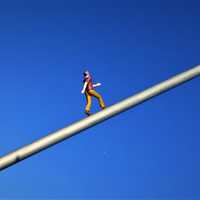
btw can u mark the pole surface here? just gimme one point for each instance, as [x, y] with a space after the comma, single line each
[62, 134]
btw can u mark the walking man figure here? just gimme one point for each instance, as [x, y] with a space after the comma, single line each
[88, 89]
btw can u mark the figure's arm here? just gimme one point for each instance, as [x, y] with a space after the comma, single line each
[84, 87]
[96, 85]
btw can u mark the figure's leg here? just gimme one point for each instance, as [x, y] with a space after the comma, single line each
[88, 105]
[99, 97]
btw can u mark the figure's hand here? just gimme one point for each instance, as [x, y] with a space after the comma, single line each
[82, 91]
[98, 84]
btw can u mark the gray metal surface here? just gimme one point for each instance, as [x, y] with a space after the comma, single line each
[83, 124]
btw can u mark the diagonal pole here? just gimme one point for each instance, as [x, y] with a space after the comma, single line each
[77, 127]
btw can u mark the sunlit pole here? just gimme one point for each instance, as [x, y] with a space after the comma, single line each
[77, 127]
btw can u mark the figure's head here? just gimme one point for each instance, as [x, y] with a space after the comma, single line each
[86, 73]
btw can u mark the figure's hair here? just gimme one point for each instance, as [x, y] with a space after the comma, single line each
[86, 72]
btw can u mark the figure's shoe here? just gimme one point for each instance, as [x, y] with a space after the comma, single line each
[103, 108]
[88, 113]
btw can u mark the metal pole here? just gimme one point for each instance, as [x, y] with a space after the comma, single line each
[83, 124]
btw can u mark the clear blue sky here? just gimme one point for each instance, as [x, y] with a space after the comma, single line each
[149, 152]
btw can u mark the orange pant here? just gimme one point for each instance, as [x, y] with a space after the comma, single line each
[89, 95]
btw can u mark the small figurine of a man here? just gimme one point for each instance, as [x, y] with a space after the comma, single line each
[88, 89]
